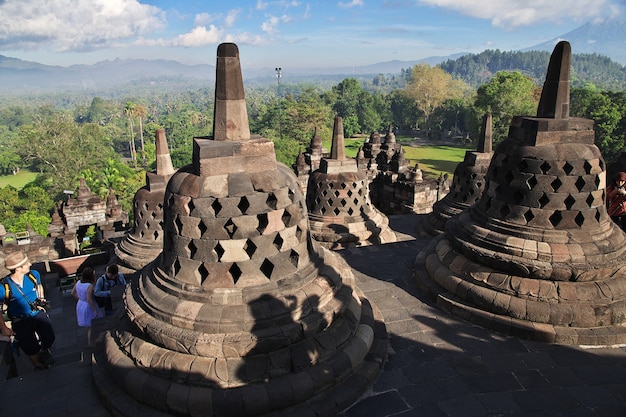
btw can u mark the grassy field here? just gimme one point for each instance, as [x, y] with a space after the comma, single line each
[17, 181]
[432, 159]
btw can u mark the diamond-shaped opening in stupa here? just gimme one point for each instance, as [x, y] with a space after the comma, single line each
[543, 200]
[579, 219]
[545, 167]
[235, 272]
[267, 267]
[190, 206]
[230, 227]
[179, 225]
[556, 218]
[294, 258]
[286, 218]
[568, 168]
[203, 272]
[177, 267]
[250, 248]
[580, 183]
[219, 251]
[529, 216]
[556, 184]
[193, 249]
[263, 222]
[271, 201]
[216, 206]
[590, 200]
[243, 205]
[532, 182]
[587, 167]
[278, 241]
[202, 228]
[569, 202]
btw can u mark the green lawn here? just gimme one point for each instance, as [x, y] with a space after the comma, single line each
[432, 159]
[17, 181]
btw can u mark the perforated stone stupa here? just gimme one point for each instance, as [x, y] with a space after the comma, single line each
[340, 211]
[145, 241]
[242, 314]
[468, 182]
[537, 256]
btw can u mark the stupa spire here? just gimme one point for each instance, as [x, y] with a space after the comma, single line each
[338, 150]
[230, 118]
[163, 160]
[554, 102]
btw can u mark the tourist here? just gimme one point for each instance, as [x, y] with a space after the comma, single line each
[616, 200]
[23, 293]
[102, 291]
[86, 307]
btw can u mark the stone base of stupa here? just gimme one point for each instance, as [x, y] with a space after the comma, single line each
[319, 375]
[564, 312]
[348, 232]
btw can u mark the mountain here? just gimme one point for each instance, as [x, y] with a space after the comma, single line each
[607, 38]
[25, 76]
[30, 77]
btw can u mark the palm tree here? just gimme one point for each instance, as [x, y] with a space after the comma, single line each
[140, 112]
[129, 111]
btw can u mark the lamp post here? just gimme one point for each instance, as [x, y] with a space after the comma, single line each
[279, 73]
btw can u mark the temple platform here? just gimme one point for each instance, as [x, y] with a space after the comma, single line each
[438, 365]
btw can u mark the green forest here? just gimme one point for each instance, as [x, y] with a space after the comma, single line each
[108, 138]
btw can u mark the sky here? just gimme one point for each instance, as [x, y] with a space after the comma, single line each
[291, 34]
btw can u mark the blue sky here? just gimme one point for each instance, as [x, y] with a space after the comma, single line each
[285, 33]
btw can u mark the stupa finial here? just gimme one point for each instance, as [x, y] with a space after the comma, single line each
[554, 102]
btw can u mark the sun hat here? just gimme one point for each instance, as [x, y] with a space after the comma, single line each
[15, 260]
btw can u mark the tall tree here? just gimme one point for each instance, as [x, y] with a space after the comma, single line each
[129, 111]
[430, 86]
[508, 94]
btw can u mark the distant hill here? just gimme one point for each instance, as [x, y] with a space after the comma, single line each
[607, 38]
[25, 76]
[29, 77]
[477, 69]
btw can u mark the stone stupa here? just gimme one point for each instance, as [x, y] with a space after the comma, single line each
[537, 256]
[145, 242]
[468, 182]
[340, 211]
[242, 314]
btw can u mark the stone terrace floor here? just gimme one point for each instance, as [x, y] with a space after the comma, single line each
[437, 365]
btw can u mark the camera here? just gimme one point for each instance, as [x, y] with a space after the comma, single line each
[40, 303]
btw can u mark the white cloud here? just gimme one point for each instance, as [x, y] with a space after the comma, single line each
[199, 36]
[231, 17]
[513, 13]
[80, 25]
[350, 4]
[270, 25]
[203, 19]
